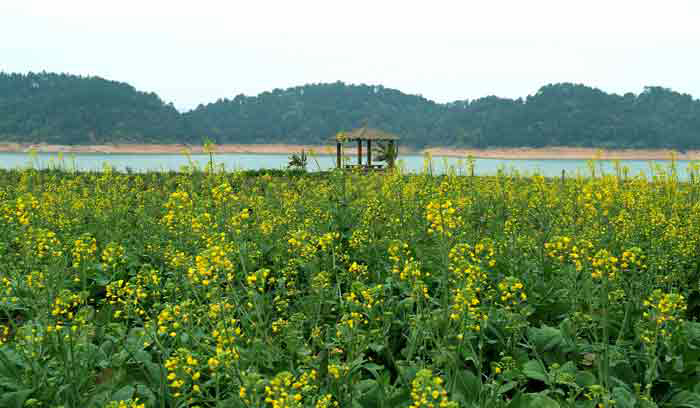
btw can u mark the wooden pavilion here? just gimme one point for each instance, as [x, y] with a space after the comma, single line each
[361, 135]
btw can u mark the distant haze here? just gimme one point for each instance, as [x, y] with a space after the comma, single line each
[198, 51]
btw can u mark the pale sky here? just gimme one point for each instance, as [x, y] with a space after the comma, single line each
[192, 52]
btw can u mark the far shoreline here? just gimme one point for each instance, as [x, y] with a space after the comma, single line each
[524, 153]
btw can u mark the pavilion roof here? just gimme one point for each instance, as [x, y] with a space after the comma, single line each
[365, 133]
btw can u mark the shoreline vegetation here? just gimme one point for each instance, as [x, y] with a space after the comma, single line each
[543, 153]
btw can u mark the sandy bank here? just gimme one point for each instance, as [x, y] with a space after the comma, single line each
[163, 148]
[581, 153]
[504, 153]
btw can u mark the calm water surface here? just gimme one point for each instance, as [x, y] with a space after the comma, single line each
[412, 163]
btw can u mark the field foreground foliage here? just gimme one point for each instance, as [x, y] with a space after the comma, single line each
[215, 289]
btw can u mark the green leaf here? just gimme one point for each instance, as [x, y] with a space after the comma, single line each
[517, 402]
[155, 373]
[231, 403]
[407, 372]
[15, 399]
[101, 279]
[623, 398]
[124, 393]
[399, 399]
[504, 388]
[406, 303]
[366, 386]
[468, 354]
[534, 369]
[376, 347]
[585, 379]
[99, 398]
[686, 399]
[372, 394]
[142, 356]
[10, 365]
[545, 338]
[468, 385]
[375, 369]
[569, 367]
[692, 330]
[541, 401]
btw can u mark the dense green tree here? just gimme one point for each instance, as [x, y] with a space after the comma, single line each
[66, 109]
[557, 115]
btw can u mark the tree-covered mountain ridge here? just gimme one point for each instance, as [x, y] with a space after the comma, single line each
[72, 110]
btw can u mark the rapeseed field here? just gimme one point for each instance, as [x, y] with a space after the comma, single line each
[232, 289]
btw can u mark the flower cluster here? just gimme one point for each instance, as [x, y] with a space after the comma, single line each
[259, 279]
[428, 391]
[404, 264]
[467, 264]
[172, 318]
[113, 255]
[4, 333]
[211, 266]
[41, 243]
[130, 403]
[664, 313]
[604, 265]
[222, 193]
[288, 391]
[225, 334]
[326, 401]
[84, 250]
[127, 297]
[64, 311]
[179, 212]
[565, 250]
[633, 259]
[466, 309]
[184, 373]
[512, 292]
[365, 298]
[442, 217]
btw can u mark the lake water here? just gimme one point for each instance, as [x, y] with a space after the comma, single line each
[411, 163]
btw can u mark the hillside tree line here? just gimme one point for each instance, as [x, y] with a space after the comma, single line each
[68, 109]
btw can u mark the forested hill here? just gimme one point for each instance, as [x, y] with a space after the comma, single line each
[64, 109]
[67, 109]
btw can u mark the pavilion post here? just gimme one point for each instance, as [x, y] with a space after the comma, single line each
[339, 162]
[359, 152]
[391, 149]
[369, 152]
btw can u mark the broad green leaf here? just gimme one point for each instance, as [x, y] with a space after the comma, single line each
[545, 338]
[372, 394]
[231, 403]
[534, 369]
[504, 388]
[685, 399]
[375, 369]
[541, 401]
[585, 379]
[623, 398]
[399, 399]
[15, 399]
[124, 393]
[468, 385]
[569, 367]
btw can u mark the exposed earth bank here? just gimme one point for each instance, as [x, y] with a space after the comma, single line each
[492, 153]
